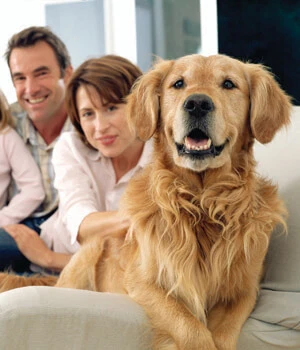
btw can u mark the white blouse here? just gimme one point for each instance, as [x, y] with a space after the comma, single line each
[85, 181]
[16, 162]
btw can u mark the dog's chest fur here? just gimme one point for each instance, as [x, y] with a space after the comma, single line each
[198, 247]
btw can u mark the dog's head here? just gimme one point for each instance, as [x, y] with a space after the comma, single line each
[206, 109]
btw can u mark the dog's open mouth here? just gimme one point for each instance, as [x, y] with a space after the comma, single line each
[198, 144]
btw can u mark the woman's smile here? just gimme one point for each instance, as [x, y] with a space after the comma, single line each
[106, 140]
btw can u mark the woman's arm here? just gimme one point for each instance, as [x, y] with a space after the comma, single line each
[73, 181]
[102, 223]
[78, 175]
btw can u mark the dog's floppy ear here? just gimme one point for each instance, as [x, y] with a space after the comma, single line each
[270, 105]
[143, 102]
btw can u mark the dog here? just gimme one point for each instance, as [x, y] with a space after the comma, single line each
[201, 217]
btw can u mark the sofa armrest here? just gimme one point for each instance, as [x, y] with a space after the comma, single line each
[34, 318]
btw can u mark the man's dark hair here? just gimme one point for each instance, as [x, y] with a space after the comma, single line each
[30, 36]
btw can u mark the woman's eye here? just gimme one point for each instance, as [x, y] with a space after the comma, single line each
[178, 84]
[86, 114]
[111, 108]
[228, 84]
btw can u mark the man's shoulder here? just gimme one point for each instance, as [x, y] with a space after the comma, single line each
[19, 117]
[20, 120]
[16, 110]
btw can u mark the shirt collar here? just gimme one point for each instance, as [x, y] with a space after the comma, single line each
[94, 154]
[33, 137]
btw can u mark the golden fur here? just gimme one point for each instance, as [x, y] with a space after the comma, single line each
[201, 220]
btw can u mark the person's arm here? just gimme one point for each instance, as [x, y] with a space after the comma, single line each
[35, 249]
[27, 177]
[102, 223]
[75, 181]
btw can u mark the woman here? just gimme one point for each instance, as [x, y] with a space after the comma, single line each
[93, 164]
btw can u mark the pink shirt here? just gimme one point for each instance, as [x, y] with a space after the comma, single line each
[16, 162]
[85, 181]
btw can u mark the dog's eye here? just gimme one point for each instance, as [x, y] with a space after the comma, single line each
[228, 84]
[178, 84]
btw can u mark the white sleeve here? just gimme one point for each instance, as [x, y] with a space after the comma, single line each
[77, 198]
[27, 177]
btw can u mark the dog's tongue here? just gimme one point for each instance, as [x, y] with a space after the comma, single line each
[198, 144]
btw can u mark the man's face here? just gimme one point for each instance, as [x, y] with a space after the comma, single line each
[37, 79]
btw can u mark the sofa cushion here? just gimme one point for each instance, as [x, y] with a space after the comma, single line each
[259, 335]
[280, 161]
[275, 321]
[274, 324]
[279, 308]
[35, 318]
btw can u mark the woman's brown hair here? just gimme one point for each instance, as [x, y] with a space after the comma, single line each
[111, 76]
[5, 117]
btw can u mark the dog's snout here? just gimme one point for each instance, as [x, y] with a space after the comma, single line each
[198, 104]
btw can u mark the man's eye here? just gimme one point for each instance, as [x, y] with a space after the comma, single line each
[179, 84]
[228, 84]
[18, 78]
[42, 73]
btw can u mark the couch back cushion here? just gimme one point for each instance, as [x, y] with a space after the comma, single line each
[280, 161]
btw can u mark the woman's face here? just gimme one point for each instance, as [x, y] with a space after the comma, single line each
[105, 127]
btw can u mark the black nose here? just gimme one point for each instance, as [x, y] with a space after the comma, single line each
[198, 105]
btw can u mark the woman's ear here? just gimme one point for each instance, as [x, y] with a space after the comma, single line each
[270, 106]
[143, 106]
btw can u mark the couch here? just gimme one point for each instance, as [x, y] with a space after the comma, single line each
[35, 318]
[275, 321]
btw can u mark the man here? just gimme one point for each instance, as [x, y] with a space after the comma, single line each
[40, 67]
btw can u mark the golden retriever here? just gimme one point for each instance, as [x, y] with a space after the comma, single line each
[201, 217]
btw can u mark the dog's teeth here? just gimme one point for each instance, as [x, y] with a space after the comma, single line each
[195, 147]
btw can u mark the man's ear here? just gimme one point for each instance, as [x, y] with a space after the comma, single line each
[68, 72]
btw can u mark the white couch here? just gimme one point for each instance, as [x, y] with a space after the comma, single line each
[44, 318]
[275, 322]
